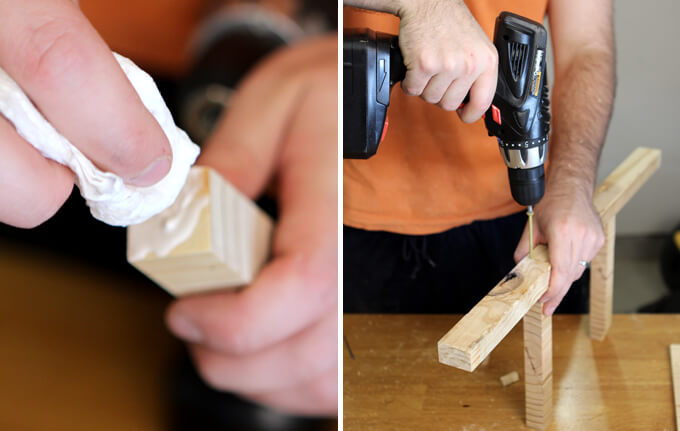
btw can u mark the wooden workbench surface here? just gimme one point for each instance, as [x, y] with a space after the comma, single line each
[392, 379]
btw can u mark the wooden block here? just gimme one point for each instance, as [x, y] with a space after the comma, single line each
[538, 367]
[602, 284]
[212, 237]
[509, 378]
[480, 330]
[619, 186]
[675, 372]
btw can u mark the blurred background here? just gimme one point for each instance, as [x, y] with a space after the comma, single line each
[82, 340]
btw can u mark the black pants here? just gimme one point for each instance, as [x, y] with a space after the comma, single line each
[448, 272]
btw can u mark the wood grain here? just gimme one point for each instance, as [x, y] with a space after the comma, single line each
[467, 344]
[675, 370]
[537, 367]
[226, 249]
[395, 383]
[602, 284]
[619, 186]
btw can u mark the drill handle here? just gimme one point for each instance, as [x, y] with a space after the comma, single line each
[397, 67]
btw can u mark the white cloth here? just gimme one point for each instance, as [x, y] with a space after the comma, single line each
[109, 198]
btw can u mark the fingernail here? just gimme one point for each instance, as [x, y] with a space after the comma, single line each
[155, 172]
[185, 329]
[549, 311]
[543, 300]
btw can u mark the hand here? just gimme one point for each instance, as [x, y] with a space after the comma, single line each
[566, 220]
[447, 54]
[50, 49]
[276, 341]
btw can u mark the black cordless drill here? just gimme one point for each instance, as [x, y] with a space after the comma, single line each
[519, 115]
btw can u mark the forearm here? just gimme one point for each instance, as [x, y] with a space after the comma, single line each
[399, 7]
[582, 105]
[377, 5]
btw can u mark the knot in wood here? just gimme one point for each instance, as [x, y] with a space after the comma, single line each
[511, 282]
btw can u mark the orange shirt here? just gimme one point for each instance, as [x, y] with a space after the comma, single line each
[432, 172]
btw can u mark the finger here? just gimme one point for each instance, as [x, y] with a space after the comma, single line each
[455, 94]
[591, 245]
[439, 85]
[560, 254]
[581, 245]
[576, 272]
[436, 87]
[316, 398]
[569, 264]
[481, 96]
[289, 294]
[597, 241]
[579, 269]
[419, 74]
[55, 55]
[300, 283]
[292, 362]
[33, 187]
[551, 305]
[248, 138]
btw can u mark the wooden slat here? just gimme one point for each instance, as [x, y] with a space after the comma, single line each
[538, 367]
[675, 373]
[478, 333]
[619, 186]
[480, 330]
[602, 284]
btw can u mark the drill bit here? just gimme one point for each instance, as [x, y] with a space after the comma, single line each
[530, 214]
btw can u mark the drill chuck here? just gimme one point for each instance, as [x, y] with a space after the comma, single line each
[527, 185]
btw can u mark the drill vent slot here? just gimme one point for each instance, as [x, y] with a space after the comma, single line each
[518, 58]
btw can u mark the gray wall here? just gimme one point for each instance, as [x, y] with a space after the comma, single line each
[647, 110]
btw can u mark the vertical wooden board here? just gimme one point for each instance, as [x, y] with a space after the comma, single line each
[538, 367]
[675, 373]
[602, 284]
